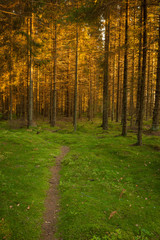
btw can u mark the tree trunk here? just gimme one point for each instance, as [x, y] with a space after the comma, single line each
[76, 83]
[31, 75]
[133, 75]
[139, 68]
[90, 102]
[142, 89]
[10, 73]
[106, 74]
[113, 88]
[54, 91]
[124, 103]
[156, 112]
[148, 87]
[118, 78]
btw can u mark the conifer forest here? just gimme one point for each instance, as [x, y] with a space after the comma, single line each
[76, 58]
[83, 71]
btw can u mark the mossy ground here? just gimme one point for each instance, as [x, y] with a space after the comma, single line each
[109, 187]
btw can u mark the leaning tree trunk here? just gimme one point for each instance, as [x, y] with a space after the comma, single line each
[106, 74]
[142, 89]
[124, 103]
[156, 112]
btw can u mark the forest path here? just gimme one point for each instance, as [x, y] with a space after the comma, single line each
[52, 200]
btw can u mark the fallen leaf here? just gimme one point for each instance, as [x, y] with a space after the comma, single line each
[112, 214]
[123, 191]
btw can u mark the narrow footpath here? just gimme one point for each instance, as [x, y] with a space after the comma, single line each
[52, 200]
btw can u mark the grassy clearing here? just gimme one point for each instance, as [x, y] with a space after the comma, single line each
[25, 158]
[103, 176]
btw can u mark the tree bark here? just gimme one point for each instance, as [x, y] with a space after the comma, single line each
[124, 103]
[31, 74]
[118, 78]
[76, 83]
[142, 89]
[53, 118]
[106, 73]
[156, 112]
[139, 67]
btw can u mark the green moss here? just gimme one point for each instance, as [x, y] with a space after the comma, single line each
[99, 166]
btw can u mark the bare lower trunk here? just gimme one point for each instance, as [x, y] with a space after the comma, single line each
[142, 89]
[139, 69]
[156, 112]
[31, 78]
[124, 104]
[76, 84]
[54, 91]
[106, 75]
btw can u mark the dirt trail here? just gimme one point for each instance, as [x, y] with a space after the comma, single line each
[52, 200]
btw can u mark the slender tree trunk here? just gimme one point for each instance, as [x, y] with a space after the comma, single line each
[148, 87]
[152, 89]
[76, 83]
[124, 104]
[68, 92]
[106, 74]
[118, 78]
[133, 75]
[156, 112]
[10, 94]
[2, 104]
[90, 102]
[139, 68]
[142, 89]
[10, 73]
[31, 74]
[53, 119]
[113, 88]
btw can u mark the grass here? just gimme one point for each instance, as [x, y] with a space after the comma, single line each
[109, 188]
[25, 158]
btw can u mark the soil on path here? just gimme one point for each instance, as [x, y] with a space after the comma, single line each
[52, 200]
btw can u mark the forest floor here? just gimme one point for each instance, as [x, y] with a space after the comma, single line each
[52, 200]
[109, 188]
